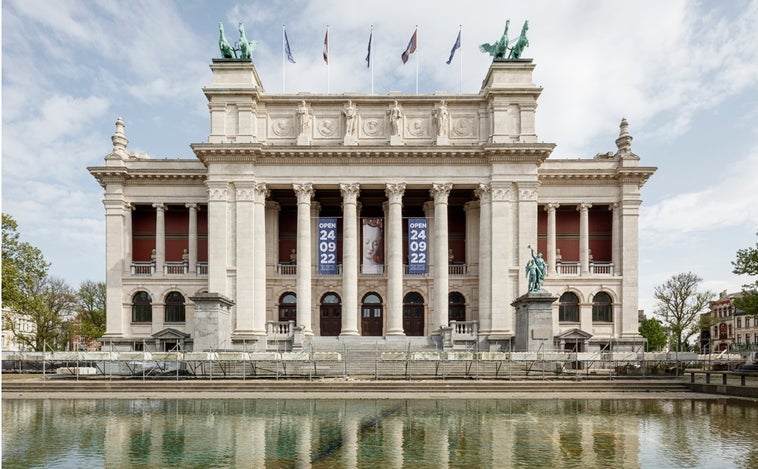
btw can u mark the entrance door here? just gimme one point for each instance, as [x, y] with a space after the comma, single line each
[331, 315]
[372, 321]
[413, 314]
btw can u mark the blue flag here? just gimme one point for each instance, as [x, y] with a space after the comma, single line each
[287, 48]
[456, 46]
[368, 56]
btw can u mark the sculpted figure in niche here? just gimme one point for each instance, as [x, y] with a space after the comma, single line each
[395, 115]
[304, 117]
[350, 114]
[441, 113]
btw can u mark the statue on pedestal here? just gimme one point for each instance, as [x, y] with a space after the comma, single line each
[536, 271]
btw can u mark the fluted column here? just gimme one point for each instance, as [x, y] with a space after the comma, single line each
[260, 193]
[349, 258]
[192, 238]
[245, 259]
[217, 236]
[484, 192]
[304, 195]
[616, 237]
[550, 209]
[584, 238]
[160, 237]
[440, 193]
[395, 259]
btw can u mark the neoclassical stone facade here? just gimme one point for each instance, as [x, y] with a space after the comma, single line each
[306, 216]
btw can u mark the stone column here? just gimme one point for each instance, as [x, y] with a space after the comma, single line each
[272, 235]
[192, 239]
[395, 259]
[304, 194]
[117, 316]
[551, 257]
[440, 193]
[502, 259]
[630, 214]
[584, 238]
[260, 193]
[471, 209]
[527, 228]
[160, 237]
[349, 258]
[615, 238]
[217, 236]
[484, 192]
[245, 255]
[128, 252]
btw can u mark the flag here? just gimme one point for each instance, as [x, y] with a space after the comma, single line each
[456, 46]
[287, 48]
[411, 47]
[326, 46]
[368, 56]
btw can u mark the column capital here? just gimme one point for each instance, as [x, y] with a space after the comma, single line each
[395, 191]
[260, 193]
[583, 207]
[191, 206]
[244, 190]
[614, 206]
[551, 206]
[440, 191]
[159, 206]
[217, 190]
[483, 192]
[304, 192]
[528, 191]
[350, 192]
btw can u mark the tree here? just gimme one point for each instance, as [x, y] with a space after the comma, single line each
[747, 263]
[680, 304]
[24, 267]
[652, 330]
[90, 308]
[49, 307]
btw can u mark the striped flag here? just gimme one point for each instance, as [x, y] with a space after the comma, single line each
[287, 49]
[456, 46]
[368, 56]
[326, 46]
[411, 46]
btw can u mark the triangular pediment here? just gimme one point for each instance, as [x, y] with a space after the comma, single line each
[574, 334]
[170, 333]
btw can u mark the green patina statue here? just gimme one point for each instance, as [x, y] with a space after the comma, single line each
[521, 43]
[499, 48]
[226, 49]
[536, 271]
[246, 48]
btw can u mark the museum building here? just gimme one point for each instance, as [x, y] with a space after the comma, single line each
[309, 218]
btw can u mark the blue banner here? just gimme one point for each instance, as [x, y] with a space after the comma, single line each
[327, 246]
[418, 247]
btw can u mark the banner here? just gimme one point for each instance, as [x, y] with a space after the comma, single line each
[327, 246]
[373, 246]
[418, 247]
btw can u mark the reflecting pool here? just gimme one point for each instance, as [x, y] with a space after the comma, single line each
[379, 433]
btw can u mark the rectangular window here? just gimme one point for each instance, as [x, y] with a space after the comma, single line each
[739, 338]
[739, 323]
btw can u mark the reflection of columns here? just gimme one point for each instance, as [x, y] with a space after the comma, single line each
[393, 442]
[257, 439]
[192, 238]
[484, 193]
[260, 193]
[217, 236]
[160, 237]
[305, 427]
[395, 259]
[304, 195]
[584, 238]
[550, 209]
[350, 439]
[615, 237]
[128, 240]
[440, 193]
[349, 258]
[245, 254]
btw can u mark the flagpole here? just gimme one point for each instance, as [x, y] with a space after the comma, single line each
[460, 59]
[417, 54]
[327, 60]
[371, 59]
[283, 59]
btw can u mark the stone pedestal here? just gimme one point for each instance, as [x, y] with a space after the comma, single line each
[350, 140]
[396, 140]
[303, 139]
[442, 140]
[213, 322]
[534, 321]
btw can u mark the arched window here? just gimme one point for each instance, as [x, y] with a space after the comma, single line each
[456, 307]
[142, 307]
[288, 307]
[568, 308]
[174, 309]
[602, 308]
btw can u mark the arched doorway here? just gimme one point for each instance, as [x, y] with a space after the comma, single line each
[288, 307]
[413, 314]
[372, 322]
[331, 315]
[456, 307]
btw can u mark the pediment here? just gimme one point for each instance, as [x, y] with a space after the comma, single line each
[170, 333]
[574, 334]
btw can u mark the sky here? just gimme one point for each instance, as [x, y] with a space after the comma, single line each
[683, 73]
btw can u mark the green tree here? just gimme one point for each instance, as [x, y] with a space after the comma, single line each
[50, 308]
[90, 308]
[679, 305]
[652, 330]
[747, 264]
[24, 267]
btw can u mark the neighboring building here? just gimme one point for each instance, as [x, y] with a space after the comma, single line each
[15, 324]
[732, 329]
[368, 215]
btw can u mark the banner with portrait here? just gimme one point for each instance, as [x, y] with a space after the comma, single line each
[372, 259]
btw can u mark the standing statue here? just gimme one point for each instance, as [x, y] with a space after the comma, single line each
[442, 115]
[350, 115]
[395, 115]
[226, 49]
[499, 48]
[521, 43]
[536, 271]
[304, 118]
[246, 48]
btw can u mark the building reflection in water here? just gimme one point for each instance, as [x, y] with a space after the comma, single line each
[378, 433]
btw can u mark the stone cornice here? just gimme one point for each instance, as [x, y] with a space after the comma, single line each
[611, 176]
[635, 174]
[518, 152]
[107, 175]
